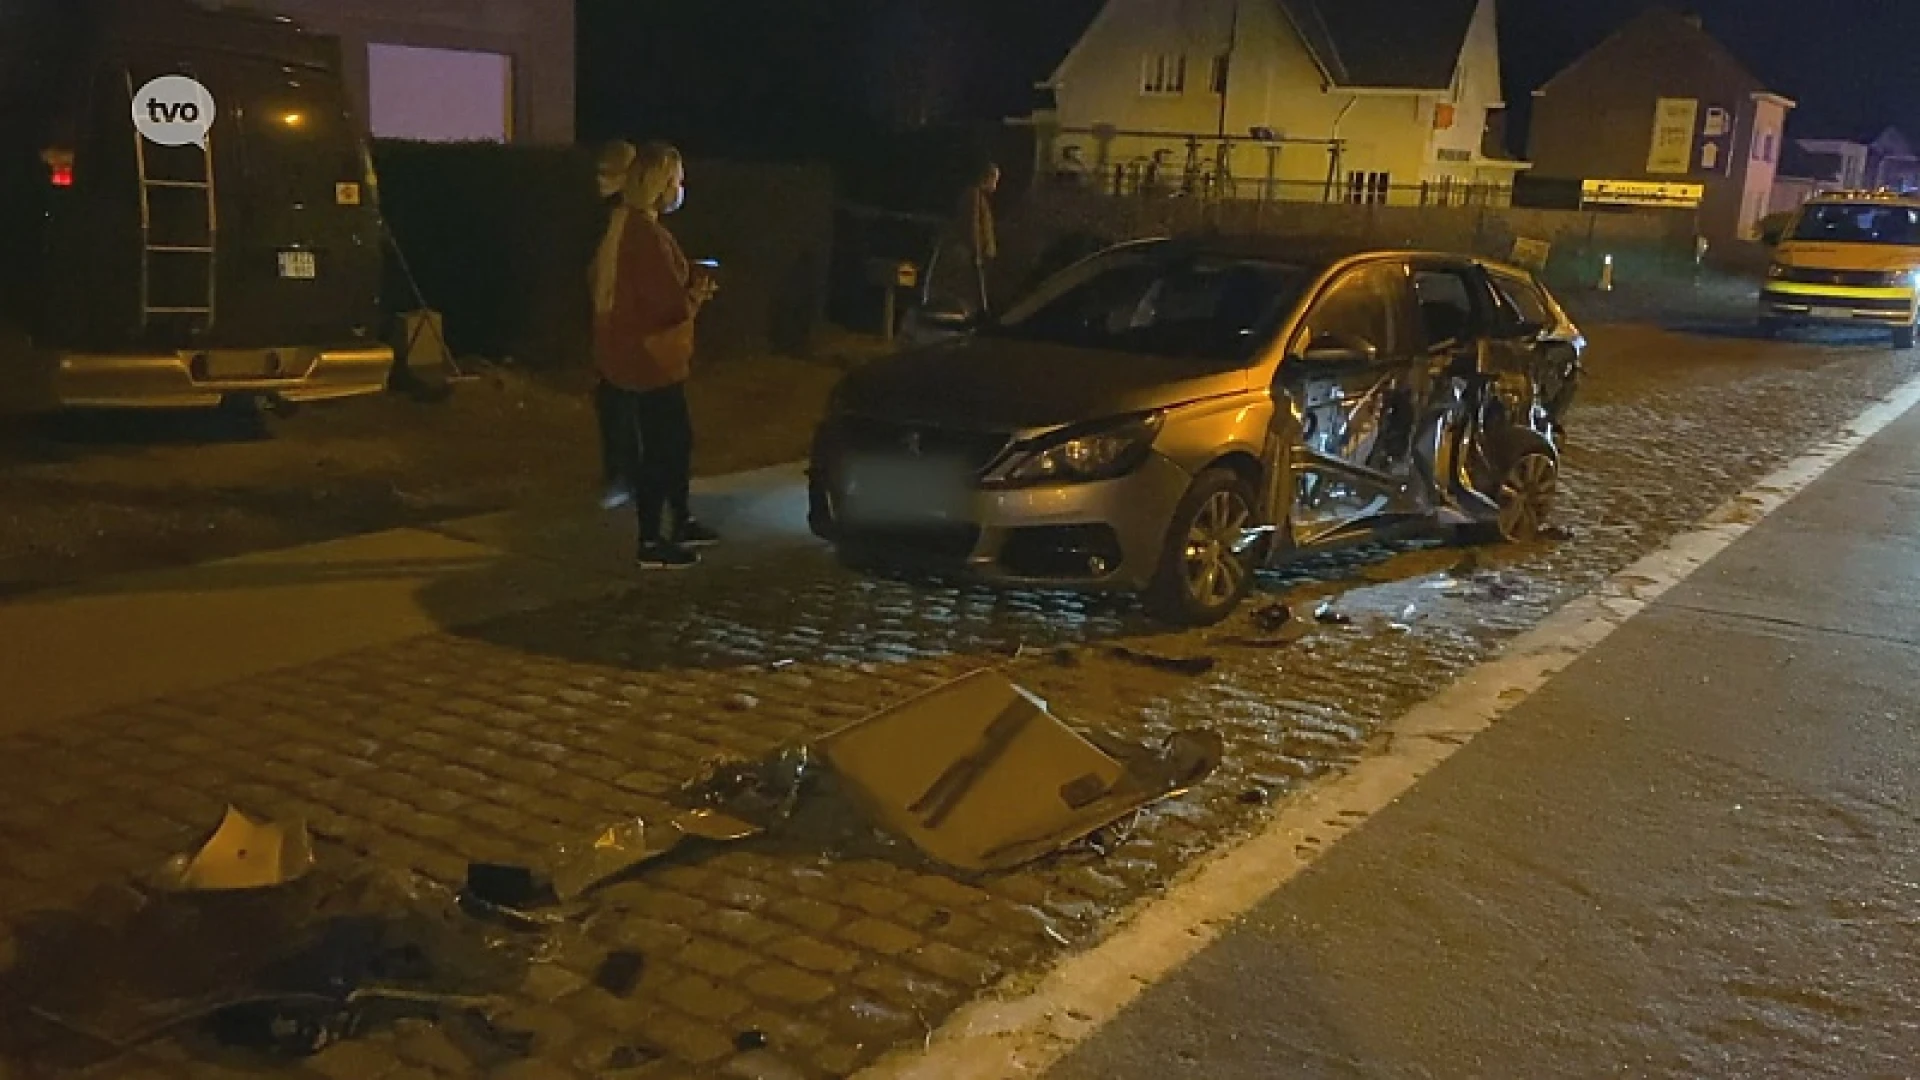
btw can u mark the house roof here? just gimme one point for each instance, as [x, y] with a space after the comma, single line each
[1664, 24]
[1055, 37]
[1800, 163]
[1361, 44]
[1892, 142]
[1384, 44]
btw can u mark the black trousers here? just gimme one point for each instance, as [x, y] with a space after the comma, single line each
[619, 438]
[663, 476]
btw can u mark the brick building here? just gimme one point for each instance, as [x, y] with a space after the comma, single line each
[1662, 113]
[447, 70]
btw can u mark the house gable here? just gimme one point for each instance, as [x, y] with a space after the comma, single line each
[1109, 109]
[1660, 38]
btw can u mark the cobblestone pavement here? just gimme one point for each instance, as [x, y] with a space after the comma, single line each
[496, 742]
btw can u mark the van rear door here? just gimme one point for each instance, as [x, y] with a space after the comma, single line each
[297, 257]
[303, 257]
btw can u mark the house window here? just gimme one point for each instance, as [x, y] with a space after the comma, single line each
[1218, 81]
[1763, 148]
[1164, 75]
[1368, 187]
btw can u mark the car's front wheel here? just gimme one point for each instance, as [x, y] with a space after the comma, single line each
[1903, 337]
[1206, 567]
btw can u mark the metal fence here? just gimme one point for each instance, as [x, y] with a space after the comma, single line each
[1165, 178]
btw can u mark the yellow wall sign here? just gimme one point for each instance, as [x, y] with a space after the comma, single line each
[1674, 122]
[1641, 193]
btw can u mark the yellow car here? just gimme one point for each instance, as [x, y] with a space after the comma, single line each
[1846, 260]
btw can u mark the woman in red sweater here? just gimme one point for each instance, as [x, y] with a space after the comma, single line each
[646, 298]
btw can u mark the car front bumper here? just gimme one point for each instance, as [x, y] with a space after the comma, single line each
[1102, 536]
[200, 378]
[1828, 305]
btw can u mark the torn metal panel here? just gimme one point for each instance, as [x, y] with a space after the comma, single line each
[980, 776]
[242, 854]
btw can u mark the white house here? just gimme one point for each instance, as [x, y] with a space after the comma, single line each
[1360, 100]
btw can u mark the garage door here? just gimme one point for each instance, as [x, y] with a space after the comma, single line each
[439, 95]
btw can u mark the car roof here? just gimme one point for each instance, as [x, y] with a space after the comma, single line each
[1314, 252]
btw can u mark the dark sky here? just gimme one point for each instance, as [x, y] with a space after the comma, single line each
[777, 76]
[1851, 67]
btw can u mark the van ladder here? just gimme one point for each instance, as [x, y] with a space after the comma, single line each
[187, 248]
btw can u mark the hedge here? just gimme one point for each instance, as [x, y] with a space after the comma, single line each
[499, 239]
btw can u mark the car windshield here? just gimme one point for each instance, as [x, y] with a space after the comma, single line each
[1215, 310]
[1855, 223]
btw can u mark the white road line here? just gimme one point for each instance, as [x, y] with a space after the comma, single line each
[1022, 1033]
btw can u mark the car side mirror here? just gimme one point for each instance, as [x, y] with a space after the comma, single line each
[1332, 348]
[1771, 237]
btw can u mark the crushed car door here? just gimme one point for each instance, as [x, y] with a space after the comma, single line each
[1461, 354]
[1343, 392]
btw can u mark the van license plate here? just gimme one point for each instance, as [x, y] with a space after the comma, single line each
[1832, 313]
[298, 265]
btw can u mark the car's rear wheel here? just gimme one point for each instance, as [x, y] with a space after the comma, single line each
[1206, 567]
[1528, 492]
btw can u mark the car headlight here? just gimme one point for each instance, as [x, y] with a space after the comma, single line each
[1776, 271]
[1084, 454]
[1897, 277]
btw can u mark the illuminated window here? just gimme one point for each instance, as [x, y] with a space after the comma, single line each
[439, 95]
[1164, 75]
[1218, 81]
[1368, 187]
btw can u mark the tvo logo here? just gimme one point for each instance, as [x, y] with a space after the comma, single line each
[174, 110]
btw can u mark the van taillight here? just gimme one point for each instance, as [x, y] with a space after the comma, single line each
[59, 167]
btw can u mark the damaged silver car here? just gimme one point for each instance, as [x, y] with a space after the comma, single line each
[1169, 416]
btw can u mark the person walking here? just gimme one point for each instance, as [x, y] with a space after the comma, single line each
[646, 304]
[619, 440]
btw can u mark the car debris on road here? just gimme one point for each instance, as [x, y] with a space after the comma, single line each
[268, 948]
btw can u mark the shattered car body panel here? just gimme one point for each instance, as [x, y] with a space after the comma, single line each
[1118, 428]
[981, 777]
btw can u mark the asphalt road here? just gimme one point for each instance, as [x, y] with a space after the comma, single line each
[1694, 853]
